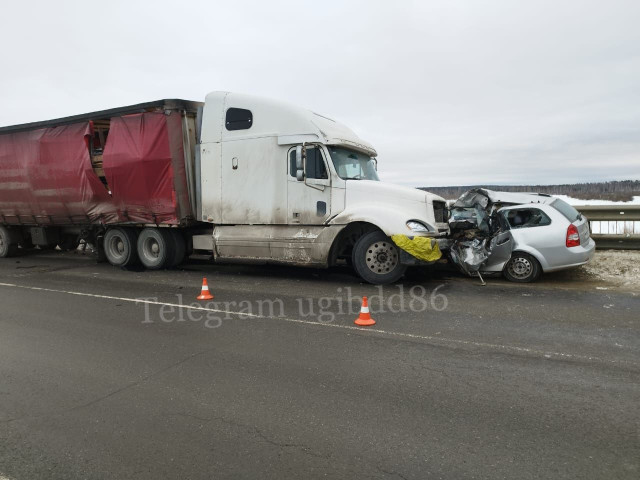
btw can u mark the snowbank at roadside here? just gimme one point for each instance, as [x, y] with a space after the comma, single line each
[621, 267]
[578, 201]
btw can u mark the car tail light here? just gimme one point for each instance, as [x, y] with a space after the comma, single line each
[573, 237]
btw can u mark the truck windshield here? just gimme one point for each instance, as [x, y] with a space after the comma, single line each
[353, 165]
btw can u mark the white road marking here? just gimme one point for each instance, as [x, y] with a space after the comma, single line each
[436, 340]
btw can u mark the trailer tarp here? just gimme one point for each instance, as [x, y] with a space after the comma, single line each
[46, 176]
[138, 164]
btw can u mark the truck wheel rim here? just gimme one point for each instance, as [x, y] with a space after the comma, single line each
[117, 247]
[520, 267]
[381, 257]
[151, 249]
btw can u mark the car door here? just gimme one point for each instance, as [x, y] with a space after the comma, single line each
[500, 247]
[530, 226]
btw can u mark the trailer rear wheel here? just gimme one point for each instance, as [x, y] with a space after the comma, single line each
[155, 248]
[120, 246]
[8, 246]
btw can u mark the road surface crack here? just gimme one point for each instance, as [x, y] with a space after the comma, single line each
[112, 393]
[258, 433]
[391, 472]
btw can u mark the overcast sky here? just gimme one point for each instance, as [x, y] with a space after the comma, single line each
[449, 92]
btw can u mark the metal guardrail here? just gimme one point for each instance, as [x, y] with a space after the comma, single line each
[614, 226]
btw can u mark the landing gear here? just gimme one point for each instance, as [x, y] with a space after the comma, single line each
[69, 243]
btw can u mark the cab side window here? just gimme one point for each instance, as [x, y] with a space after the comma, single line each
[316, 167]
[527, 217]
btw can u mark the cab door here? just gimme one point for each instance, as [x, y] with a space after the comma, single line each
[308, 200]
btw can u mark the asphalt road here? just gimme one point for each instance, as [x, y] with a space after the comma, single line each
[272, 380]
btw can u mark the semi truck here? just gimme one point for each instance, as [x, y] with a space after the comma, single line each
[239, 177]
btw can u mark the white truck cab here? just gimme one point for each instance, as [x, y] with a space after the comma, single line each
[286, 185]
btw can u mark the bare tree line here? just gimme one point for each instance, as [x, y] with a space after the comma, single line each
[619, 191]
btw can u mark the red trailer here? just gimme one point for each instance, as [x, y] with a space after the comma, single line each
[64, 180]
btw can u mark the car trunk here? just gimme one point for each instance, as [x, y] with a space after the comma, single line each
[583, 229]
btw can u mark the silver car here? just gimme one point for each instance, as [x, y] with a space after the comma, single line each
[518, 234]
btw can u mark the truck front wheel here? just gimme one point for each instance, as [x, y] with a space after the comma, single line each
[120, 246]
[377, 259]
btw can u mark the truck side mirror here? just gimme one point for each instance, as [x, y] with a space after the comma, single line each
[300, 155]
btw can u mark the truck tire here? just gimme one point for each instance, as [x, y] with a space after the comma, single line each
[155, 248]
[522, 268]
[179, 248]
[8, 247]
[377, 259]
[120, 246]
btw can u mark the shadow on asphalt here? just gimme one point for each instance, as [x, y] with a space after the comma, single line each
[440, 272]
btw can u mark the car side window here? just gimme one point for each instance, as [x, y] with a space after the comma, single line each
[316, 167]
[527, 217]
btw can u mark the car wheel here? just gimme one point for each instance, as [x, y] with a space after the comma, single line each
[377, 259]
[120, 246]
[522, 268]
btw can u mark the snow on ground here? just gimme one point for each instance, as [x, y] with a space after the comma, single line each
[578, 201]
[621, 267]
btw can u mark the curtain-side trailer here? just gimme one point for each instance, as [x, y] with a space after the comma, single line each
[244, 178]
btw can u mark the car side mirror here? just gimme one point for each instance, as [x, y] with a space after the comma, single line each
[375, 164]
[300, 156]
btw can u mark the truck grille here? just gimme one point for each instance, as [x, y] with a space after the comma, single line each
[440, 211]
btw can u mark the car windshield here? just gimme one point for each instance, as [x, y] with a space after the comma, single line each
[567, 210]
[353, 165]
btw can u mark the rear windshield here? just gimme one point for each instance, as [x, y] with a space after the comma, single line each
[567, 210]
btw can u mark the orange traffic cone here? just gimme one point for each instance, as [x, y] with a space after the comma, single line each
[364, 319]
[204, 294]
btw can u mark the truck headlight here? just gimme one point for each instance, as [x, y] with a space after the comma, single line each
[416, 226]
